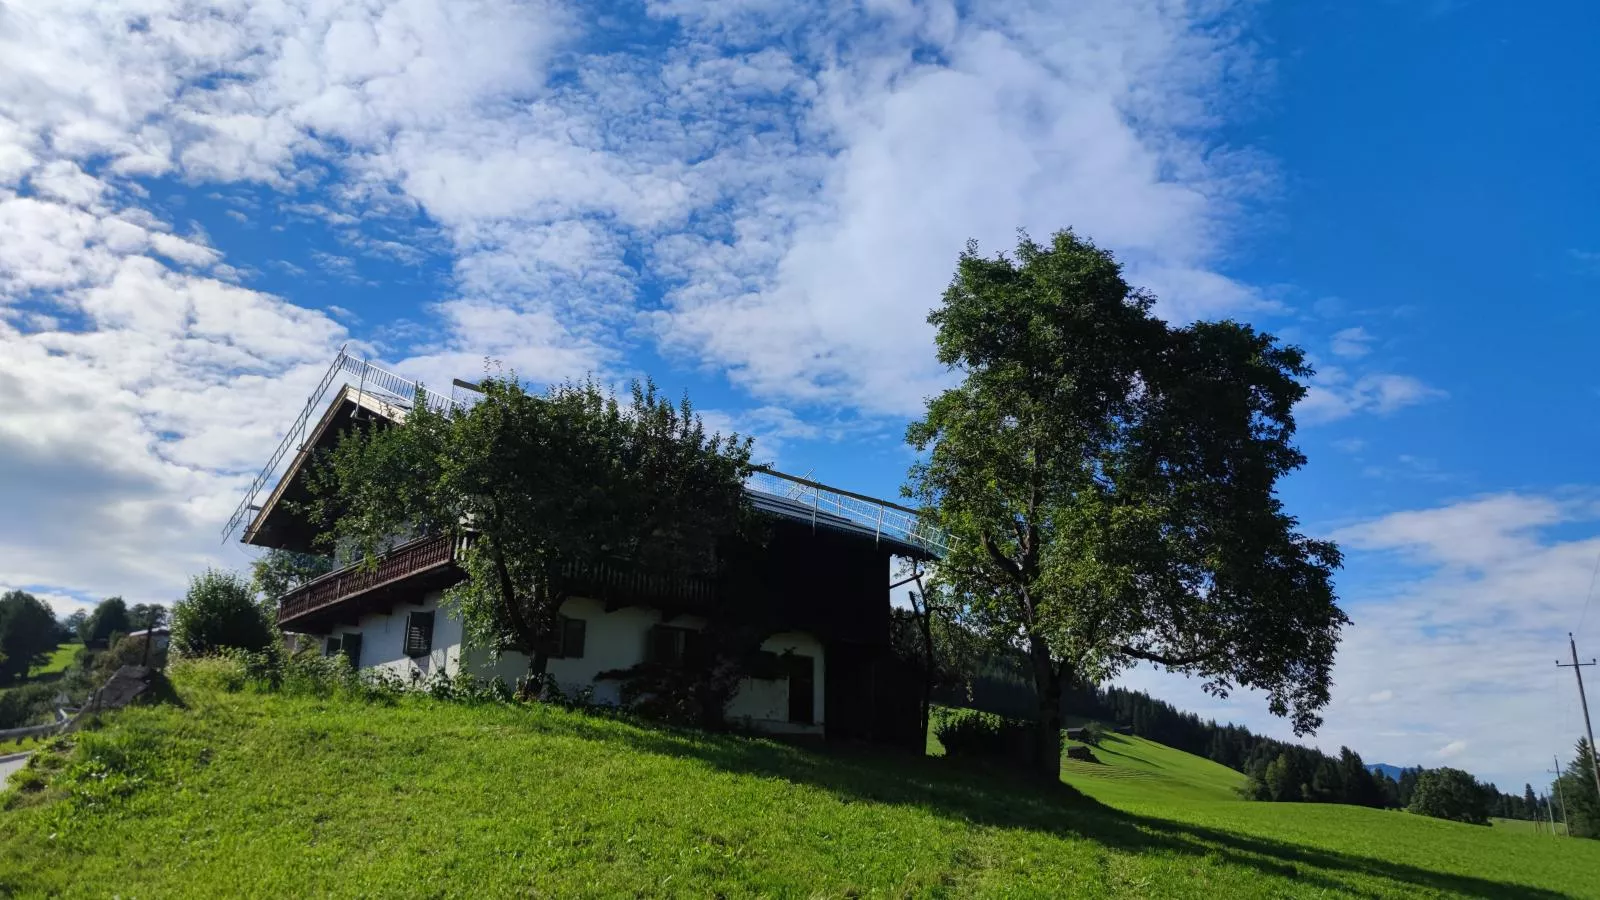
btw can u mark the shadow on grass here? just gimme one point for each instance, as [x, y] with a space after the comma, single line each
[1125, 753]
[1002, 799]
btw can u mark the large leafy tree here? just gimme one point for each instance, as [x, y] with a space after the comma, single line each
[1451, 794]
[1108, 483]
[277, 572]
[217, 613]
[27, 634]
[572, 476]
[147, 615]
[110, 618]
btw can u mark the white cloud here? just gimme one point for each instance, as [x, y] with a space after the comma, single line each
[1336, 395]
[1352, 342]
[1092, 115]
[1452, 659]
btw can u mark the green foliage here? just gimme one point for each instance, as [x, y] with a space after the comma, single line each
[1450, 794]
[27, 634]
[277, 572]
[73, 626]
[542, 481]
[1581, 810]
[110, 618]
[1108, 482]
[145, 616]
[979, 735]
[274, 795]
[219, 613]
[27, 704]
[129, 651]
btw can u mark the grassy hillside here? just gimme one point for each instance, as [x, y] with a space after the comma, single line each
[60, 659]
[272, 795]
[1524, 826]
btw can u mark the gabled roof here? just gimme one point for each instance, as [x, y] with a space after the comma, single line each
[897, 528]
[289, 531]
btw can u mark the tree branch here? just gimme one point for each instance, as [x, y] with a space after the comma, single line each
[1169, 661]
[1006, 563]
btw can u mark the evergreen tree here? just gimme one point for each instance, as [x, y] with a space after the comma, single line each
[1450, 794]
[1325, 782]
[1282, 786]
[1576, 787]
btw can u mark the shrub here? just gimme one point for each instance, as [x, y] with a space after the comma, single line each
[1094, 733]
[129, 651]
[28, 704]
[972, 734]
[218, 673]
[219, 613]
[1450, 794]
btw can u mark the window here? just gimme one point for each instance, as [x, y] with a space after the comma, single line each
[331, 648]
[669, 646]
[351, 647]
[802, 687]
[419, 634]
[566, 642]
[573, 632]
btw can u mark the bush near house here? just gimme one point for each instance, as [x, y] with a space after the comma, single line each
[972, 734]
[219, 613]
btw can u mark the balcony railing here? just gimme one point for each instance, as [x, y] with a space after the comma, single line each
[619, 584]
[612, 582]
[404, 561]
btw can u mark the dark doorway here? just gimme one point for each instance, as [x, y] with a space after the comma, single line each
[352, 649]
[802, 688]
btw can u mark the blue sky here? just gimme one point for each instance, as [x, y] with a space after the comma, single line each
[758, 203]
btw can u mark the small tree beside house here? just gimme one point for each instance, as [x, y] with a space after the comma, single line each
[572, 477]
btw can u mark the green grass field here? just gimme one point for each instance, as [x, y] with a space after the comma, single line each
[1523, 826]
[269, 795]
[59, 661]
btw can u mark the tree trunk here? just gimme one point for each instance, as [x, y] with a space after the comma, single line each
[923, 613]
[1047, 687]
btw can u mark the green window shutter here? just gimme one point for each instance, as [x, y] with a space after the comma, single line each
[573, 632]
[419, 634]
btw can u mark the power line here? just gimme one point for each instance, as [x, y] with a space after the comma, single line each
[1566, 814]
[1590, 595]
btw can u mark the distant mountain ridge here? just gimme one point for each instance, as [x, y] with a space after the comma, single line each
[1385, 768]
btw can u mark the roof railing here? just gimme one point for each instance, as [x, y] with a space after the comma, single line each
[368, 378]
[885, 518]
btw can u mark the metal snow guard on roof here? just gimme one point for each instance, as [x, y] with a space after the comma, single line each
[824, 505]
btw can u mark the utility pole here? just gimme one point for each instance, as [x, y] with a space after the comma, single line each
[1566, 814]
[1577, 669]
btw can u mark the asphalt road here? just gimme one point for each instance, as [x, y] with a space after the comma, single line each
[9, 764]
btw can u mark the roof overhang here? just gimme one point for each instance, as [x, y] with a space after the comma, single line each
[277, 524]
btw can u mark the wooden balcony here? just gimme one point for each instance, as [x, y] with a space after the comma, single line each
[410, 570]
[342, 595]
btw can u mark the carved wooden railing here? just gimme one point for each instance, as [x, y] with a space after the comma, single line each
[613, 582]
[617, 582]
[402, 562]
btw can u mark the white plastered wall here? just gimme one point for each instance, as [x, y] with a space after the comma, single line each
[613, 640]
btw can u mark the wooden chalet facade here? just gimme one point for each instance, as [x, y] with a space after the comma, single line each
[816, 589]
